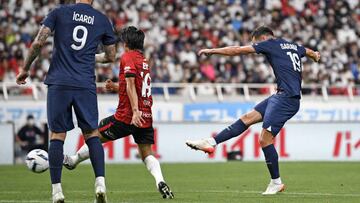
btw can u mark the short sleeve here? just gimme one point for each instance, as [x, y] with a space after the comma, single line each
[50, 19]
[263, 47]
[301, 51]
[21, 134]
[109, 37]
[129, 66]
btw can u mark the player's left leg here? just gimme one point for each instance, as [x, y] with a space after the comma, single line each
[96, 154]
[208, 145]
[86, 111]
[145, 138]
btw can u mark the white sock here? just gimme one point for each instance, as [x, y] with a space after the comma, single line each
[276, 181]
[81, 155]
[56, 188]
[153, 166]
[100, 181]
[212, 141]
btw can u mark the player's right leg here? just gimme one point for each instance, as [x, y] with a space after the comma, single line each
[279, 110]
[55, 165]
[59, 114]
[272, 162]
[208, 145]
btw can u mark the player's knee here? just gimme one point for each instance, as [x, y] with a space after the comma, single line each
[263, 142]
[144, 150]
[265, 139]
[245, 119]
[251, 118]
[57, 136]
[90, 133]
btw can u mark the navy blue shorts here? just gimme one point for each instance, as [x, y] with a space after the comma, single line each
[276, 110]
[60, 102]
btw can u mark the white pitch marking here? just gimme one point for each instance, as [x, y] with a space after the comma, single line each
[184, 192]
[234, 191]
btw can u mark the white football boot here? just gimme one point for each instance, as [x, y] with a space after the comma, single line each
[100, 190]
[273, 188]
[58, 198]
[204, 145]
[69, 162]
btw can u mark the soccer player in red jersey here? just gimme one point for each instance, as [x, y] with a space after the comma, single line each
[133, 115]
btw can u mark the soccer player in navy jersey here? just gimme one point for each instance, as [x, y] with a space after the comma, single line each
[78, 31]
[285, 60]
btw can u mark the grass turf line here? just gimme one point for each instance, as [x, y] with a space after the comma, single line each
[210, 182]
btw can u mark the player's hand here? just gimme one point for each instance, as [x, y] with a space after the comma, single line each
[21, 77]
[137, 119]
[206, 52]
[317, 56]
[109, 85]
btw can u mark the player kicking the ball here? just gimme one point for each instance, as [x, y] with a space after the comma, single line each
[78, 30]
[133, 115]
[285, 60]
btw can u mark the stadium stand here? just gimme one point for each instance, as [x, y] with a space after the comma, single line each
[176, 29]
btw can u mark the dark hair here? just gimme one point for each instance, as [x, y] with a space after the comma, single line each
[67, 1]
[262, 30]
[133, 37]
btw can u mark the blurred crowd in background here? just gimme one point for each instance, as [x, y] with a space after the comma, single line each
[176, 30]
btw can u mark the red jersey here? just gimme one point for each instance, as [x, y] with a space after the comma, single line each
[133, 64]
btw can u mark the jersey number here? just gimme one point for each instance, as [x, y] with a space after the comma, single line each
[81, 40]
[146, 85]
[295, 61]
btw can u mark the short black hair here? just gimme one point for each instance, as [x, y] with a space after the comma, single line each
[133, 37]
[262, 30]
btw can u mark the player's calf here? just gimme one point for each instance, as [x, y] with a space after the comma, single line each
[153, 166]
[272, 162]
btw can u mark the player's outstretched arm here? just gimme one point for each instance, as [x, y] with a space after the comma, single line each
[228, 51]
[137, 119]
[34, 52]
[108, 56]
[314, 55]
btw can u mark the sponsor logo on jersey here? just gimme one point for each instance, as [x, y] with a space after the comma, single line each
[146, 115]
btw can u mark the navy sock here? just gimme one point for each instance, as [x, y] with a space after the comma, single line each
[96, 152]
[56, 158]
[233, 130]
[271, 158]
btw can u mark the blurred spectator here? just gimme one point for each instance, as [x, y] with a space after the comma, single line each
[30, 136]
[175, 30]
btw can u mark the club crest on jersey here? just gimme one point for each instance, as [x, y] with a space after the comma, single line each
[127, 68]
[83, 18]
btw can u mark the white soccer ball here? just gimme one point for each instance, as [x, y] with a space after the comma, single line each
[37, 161]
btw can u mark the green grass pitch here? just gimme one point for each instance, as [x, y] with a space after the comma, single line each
[211, 182]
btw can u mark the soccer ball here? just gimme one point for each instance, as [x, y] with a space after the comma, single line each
[37, 160]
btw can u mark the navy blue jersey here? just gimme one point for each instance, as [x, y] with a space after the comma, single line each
[78, 30]
[285, 59]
